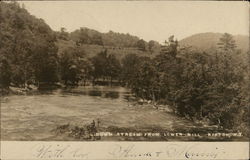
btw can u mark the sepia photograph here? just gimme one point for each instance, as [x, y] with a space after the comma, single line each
[130, 71]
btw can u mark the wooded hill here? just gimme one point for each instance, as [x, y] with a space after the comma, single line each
[208, 41]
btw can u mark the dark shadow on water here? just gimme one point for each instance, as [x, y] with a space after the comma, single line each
[100, 91]
[94, 93]
[46, 91]
[113, 95]
[104, 92]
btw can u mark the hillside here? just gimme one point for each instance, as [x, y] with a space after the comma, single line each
[208, 41]
[90, 50]
[90, 36]
[91, 42]
[28, 53]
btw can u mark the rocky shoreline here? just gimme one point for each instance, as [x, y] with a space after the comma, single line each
[17, 91]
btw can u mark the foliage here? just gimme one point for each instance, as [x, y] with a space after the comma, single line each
[198, 85]
[5, 73]
[90, 36]
[129, 64]
[153, 46]
[86, 36]
[28, 44]
[105, 66]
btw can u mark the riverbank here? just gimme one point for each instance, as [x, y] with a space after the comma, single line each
[14, 90]
[17, 90]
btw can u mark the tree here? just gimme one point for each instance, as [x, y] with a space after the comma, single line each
[227, 53]
[86, 69]
[113, 67]
[144, 81]
[97, 39]
[152, 45]
[45, 58]
[170, 47]
[63, 34]
[129, 66]
[227, 43]
[73, 66]
[141, 44]
[100, 63]
[106, 66]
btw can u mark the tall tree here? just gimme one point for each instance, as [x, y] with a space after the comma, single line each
[113, 67]
[100, 63]
[129, 66]
[227, 43]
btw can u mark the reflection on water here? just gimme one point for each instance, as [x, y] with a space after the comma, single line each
[99, 91]
[111, 95]
[92, 91]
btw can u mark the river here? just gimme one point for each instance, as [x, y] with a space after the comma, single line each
[34, 116]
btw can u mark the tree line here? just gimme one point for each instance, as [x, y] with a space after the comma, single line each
[119, 40]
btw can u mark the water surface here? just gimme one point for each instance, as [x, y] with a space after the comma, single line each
[34, 116]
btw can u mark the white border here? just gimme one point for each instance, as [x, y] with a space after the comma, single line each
[20, 150]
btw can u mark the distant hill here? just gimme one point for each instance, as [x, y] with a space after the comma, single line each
[208, 41]
[93, 42]
[90, 50]
[90, 36]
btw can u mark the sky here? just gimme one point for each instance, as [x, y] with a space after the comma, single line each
[150, 20]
